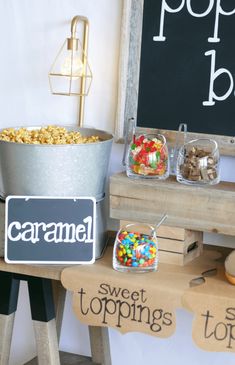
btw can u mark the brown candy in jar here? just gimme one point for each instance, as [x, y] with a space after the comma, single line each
[198, 165]
[198, 162]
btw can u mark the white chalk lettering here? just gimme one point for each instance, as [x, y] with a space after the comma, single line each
[88, 220]
[80, 229]
[11, 227]
[51, 232]
[28, 234]
[165, 8]
[200, 15]
[213, 76]
[218, 11]
[36, 229]
[68, 230]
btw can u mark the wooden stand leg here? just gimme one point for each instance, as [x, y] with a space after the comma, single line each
[59, 295]
[47, 343]
[6, 330]
[43, 315]
[100, 349]
[9, 290]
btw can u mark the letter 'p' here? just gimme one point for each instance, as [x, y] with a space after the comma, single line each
[166, 8]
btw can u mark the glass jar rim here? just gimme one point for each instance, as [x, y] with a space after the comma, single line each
[125, 227]
[154, 135]
[210, 140]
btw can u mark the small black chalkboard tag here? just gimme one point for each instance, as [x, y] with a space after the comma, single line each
[50, 230]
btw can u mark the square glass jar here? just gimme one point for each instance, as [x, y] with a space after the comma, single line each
[147, 157]
[198, 163]
[136, 249]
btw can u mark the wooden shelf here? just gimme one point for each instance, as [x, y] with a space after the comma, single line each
[209, 209]
[42, 271]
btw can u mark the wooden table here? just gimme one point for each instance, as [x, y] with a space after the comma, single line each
[47, 298]
[205, 209]
[130, 302]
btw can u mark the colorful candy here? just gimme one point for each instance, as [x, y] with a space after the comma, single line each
[136, 250]
[148, 156]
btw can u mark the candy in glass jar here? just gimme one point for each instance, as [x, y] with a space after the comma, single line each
[148, 157]
[135, 249]
[198, 162]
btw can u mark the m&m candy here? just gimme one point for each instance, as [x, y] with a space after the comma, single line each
[135, 251]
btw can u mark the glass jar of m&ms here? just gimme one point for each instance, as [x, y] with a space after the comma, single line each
[135, 249]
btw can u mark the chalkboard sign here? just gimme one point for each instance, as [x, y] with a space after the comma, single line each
[49, 230]
[187, 66]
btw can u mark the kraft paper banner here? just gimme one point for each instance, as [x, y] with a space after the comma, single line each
[132, 302]
[213, 304]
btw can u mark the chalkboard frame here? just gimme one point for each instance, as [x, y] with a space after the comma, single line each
[129, 66]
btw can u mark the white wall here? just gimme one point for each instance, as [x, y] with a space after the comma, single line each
[32, 33]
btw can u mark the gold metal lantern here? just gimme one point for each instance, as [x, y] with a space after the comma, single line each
[70, 73]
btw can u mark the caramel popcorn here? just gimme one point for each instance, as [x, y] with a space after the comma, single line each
[45, 135]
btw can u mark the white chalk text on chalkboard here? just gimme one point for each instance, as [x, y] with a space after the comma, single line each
[51, 232]
[214, 74]
[218, 11]
[50, 229]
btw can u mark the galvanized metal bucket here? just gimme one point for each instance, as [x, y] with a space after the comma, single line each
[56, 170]
[2, 228]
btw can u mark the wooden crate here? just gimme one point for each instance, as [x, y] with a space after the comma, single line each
[176, 245]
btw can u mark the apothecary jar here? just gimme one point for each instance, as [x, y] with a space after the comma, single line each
[135, 249]
[147, 157]
[198, 162]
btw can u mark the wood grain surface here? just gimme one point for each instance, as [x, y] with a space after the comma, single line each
[209, 209]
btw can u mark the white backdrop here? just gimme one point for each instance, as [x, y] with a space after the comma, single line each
[32, 33]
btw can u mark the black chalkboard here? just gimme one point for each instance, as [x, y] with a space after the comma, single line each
[50, 230]
[177, 74]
